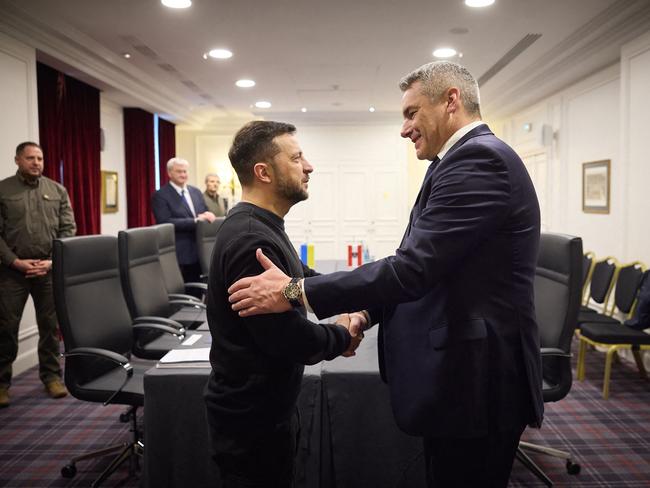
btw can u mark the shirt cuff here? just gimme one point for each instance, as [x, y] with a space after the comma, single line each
[305, 302]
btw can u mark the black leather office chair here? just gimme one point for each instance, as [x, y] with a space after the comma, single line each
[206, 236]
[558, 286]
[98, 336]
[176, 287]
[143, 281]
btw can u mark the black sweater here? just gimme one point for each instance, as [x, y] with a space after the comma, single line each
[257, 362]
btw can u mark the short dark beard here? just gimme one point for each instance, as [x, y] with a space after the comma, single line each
[293, 194]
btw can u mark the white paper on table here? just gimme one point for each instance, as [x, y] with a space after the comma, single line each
[186, 355]
[191, 339]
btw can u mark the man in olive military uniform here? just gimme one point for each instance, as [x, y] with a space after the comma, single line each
[33, 211]
[216, 204]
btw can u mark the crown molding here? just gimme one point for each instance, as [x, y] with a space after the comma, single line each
[67, 45]
[596, 45]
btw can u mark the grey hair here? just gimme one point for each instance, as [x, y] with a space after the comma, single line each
[438, 76]
[212, 175]
[179, 161]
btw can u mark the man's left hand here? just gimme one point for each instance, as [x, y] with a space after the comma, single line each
[260, 294]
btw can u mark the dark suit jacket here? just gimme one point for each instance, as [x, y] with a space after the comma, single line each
[168, 207]
[459, 343]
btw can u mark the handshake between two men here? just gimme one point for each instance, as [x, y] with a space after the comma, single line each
[263, 294]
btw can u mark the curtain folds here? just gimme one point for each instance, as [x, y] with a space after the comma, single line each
[140, 166]
[69, 132]
[166, 147]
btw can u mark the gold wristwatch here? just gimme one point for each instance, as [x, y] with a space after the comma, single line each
[293, 292]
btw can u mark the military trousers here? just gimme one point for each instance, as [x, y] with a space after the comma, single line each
[14, 291]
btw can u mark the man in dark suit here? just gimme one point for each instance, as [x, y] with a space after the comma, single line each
[459, 343]
[182, 205]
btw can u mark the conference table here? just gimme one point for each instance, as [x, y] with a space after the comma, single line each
[349, 438]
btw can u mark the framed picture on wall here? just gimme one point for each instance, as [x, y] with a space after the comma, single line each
[109, 192]
[595, 186]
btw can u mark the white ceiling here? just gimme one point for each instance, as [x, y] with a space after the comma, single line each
[335, 57]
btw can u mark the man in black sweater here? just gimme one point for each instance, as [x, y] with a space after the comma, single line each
[257, 362]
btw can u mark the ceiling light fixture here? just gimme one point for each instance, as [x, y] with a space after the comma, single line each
[371, 109]
[444, 52]
[245, 83]
[176, 3]
[220, 53]
[127, 55]
[478, 3]
[303, 109]
[263, 104]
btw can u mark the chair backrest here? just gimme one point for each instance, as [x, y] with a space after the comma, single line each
[89, 304]
[627, 287]
[167, 255]
[206, 235]
[588, 261]
[558, 283]
[602, 281]
[142, 277]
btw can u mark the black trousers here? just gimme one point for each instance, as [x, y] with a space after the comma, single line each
[483, 462]
[258, 460]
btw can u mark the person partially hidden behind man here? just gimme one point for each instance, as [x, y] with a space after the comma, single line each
[33, 211]
[216, 204]
[257, 363]
[182, 205]
[459, 343]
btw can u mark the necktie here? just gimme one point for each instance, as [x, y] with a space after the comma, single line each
[187, 205]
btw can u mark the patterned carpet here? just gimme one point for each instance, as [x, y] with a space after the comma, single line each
[610, 439]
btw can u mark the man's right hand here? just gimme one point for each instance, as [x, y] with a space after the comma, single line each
[355, 326]
[209, 216]
[25, 265]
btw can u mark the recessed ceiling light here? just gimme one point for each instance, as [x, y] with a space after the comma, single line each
[205, 55]
[444, 52]
[263, 104]
[303, 109]
[371, 109]
[127, 55]
[478, 3]
[220, 54]
[176, 3]
[245, 83]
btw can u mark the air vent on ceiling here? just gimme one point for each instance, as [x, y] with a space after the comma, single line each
[169, 68]
[508, 57]
[191, 85]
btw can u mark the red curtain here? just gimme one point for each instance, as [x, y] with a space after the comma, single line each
[81, 154]
[69, 131]
[166, 147]
[140, 165]
[50, 85]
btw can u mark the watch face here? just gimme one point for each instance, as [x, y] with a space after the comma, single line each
[292, 291]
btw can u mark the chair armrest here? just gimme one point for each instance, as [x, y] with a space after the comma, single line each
[180, 333]
[553, 351]
[183, 296]
[197, 285]
[106, 354]
[189, 303]
[146, 319]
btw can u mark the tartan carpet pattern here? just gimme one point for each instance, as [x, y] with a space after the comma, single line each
[609, 438]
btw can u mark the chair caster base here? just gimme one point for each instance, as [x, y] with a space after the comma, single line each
[572, 468]
[69, 471]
